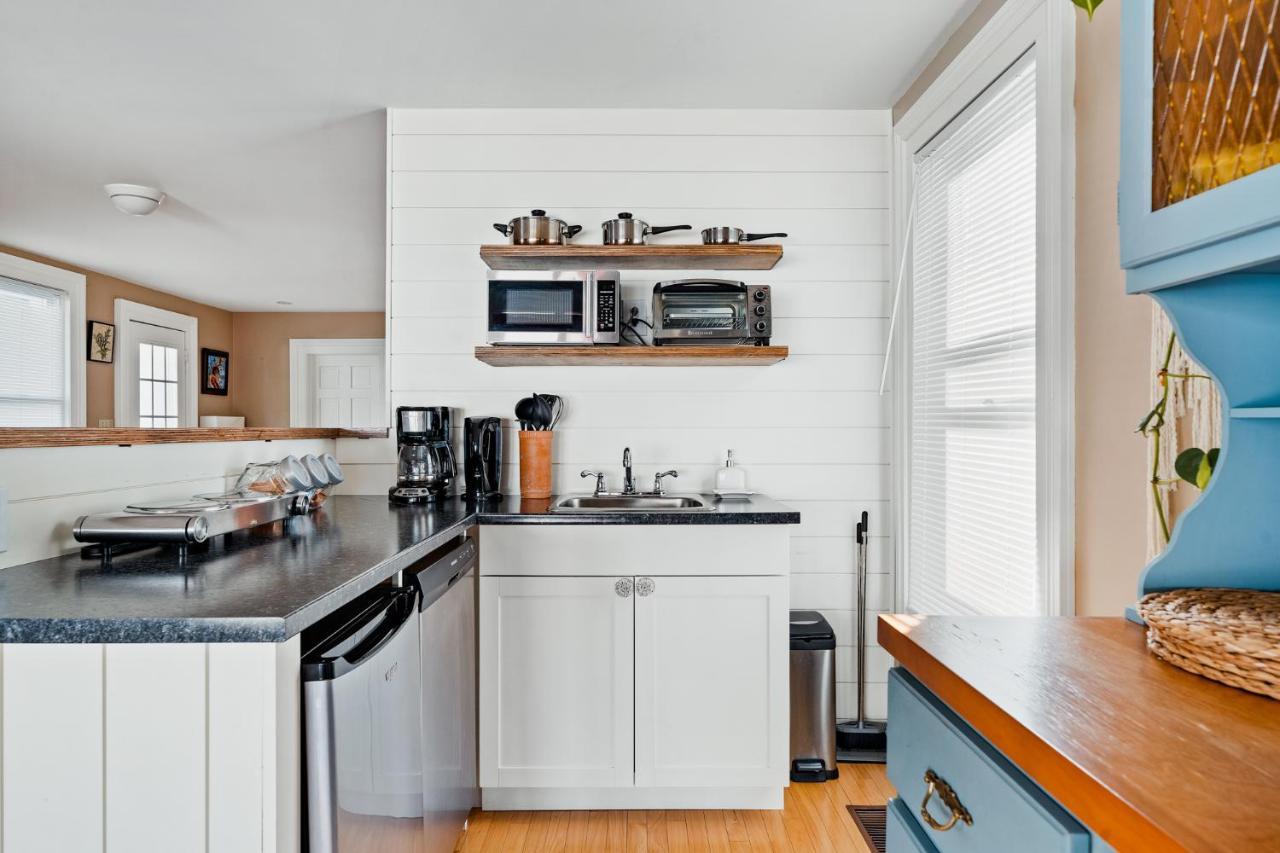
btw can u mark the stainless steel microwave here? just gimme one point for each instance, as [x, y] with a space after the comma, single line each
[555, 307]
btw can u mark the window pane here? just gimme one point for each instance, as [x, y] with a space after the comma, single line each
[157, 395]
[171, 399]
[157, 356]
[144, 397]
[171, 363]
[145, 422]
[972, 516]
[144, 361]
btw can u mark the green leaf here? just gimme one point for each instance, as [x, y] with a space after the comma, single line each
[1088, 5]
[1195, 466]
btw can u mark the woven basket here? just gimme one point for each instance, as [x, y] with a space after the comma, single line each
[1228, 635]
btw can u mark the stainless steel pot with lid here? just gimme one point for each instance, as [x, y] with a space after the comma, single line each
[537, 229]
[626, 230]
[731, 236]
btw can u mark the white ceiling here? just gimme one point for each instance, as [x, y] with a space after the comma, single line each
[263, 120]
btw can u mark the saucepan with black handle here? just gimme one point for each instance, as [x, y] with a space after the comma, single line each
[726, 236]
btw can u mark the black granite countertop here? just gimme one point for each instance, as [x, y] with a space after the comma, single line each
[267, 584]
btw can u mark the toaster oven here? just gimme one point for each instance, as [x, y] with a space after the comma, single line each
[554, 307]
[711, 310]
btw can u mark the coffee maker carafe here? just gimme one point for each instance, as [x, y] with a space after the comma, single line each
[425, 468]
[482, 458]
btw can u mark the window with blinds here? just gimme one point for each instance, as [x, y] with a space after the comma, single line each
[972, 518]
[35, 331]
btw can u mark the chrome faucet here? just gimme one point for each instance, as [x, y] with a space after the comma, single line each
[657, 480]
[628, 481]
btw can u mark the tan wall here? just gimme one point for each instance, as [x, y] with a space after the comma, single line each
[101, 291]
[260, 364]
[1112, 329]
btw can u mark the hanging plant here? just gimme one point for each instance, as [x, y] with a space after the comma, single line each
[1193, 465]
[1088, 5]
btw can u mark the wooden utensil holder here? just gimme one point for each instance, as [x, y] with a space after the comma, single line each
[535, 463]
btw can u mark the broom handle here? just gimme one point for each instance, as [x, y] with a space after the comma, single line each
[862, 616]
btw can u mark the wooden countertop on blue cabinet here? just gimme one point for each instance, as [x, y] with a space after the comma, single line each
[1212, 261]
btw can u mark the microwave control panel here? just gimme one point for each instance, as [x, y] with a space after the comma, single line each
[607, 306]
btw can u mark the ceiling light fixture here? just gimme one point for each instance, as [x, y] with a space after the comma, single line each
[134, 199]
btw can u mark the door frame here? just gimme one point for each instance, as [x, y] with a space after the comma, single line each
[300, 352]
[126, 387]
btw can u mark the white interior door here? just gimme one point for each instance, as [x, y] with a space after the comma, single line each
[712, 681]
[556, 682]
[338, 383]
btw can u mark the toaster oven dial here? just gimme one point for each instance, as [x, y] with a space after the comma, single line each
[761, 326]
[760, 310]
[760, 296]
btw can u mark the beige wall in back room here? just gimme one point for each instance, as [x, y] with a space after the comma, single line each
[1112, 329]
[101, 292]
[260, 361]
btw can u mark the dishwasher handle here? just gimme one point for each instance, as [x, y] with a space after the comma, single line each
[364, 639]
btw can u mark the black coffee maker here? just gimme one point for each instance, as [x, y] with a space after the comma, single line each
[425, 467]
[482, 458]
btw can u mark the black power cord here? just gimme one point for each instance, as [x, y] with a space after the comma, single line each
[631, 325]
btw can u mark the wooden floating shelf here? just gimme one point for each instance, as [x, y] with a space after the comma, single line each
[124, 436]
[744, 256]
[631, 356]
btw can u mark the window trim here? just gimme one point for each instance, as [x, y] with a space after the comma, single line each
[73, 285]
[126, 386]
[1048, 28]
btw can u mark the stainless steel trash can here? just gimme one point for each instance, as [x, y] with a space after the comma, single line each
[813, 698]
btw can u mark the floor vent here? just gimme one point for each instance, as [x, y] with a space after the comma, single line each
[870, 821]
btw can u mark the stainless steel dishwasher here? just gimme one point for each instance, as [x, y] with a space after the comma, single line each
[389, 706]
[447, 644]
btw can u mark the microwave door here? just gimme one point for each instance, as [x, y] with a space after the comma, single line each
[538, 312]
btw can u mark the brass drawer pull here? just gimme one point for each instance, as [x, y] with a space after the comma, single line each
[935, 784]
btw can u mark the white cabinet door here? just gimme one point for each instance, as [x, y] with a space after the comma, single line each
[711, 681]
[556, 680]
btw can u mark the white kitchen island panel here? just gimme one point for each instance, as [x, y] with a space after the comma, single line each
[134, 747]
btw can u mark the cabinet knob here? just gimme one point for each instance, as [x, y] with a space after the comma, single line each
[935, 784]
[644, 586]
[623, 587]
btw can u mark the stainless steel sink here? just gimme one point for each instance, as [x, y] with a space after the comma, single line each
[633, 503]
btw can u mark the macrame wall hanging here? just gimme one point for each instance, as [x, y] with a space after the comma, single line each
[1192, 417]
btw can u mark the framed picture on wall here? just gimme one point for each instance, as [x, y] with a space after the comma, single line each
[215, 371]
[102, 342]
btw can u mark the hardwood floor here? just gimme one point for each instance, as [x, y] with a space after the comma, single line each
[813, 820]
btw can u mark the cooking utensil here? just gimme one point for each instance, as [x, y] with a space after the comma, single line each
[527, 413]
[556, 405]
[537, 229]
[626, 230]
[543, 409]
[727, 236]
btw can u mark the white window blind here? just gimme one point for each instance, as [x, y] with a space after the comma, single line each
[35, 331]
[972, 521]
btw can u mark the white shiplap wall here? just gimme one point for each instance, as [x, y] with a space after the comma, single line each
[812, 431]
[50, 487]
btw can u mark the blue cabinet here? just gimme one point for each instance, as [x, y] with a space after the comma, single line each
[1200, 232]
[960, 795]
[1199, 195]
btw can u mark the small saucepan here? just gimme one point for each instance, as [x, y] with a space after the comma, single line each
[626, 230]
[537, 229]
[731, 236]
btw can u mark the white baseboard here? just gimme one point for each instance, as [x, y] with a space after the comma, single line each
[535, 799]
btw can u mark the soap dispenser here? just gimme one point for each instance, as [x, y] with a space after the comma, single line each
[731, 478]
